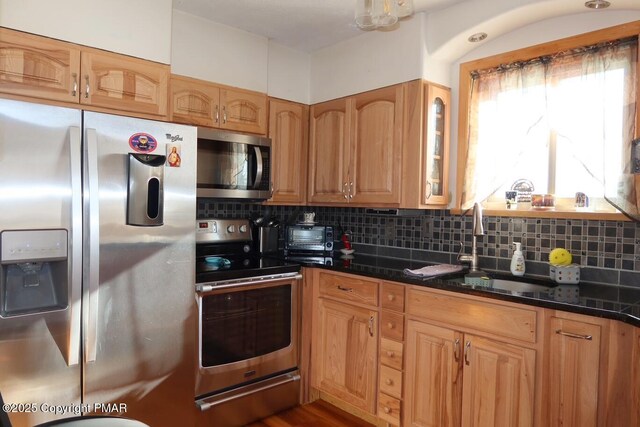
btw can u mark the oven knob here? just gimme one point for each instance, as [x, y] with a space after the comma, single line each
[246, 249]
[231, 229]
[243, 228]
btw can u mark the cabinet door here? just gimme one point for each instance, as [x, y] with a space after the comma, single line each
[346, 353]
[376, 146]
[123, 83]
[38, 67]
[328, 152]
[243, 111]
[498, 387]
[433, 380]
[574, 359]
[194, 102]
[289, 131]
[436, 162]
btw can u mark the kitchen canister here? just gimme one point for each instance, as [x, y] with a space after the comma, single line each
[568, 274]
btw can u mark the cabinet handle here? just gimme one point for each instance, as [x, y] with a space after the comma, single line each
[342, 288]
[572, 335]
[224, 114]
[390, 353]
[388, 381]
[430, 193]
[345, 190]
[391, 325]
[456, 350]
[217, 114]
[391, 297]
[387, 410]
[75, 84]
[87, 87]
[467, 347]
[371, 326]
[271, 189]
[351, 190]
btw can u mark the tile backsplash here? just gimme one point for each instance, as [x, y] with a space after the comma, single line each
[609, 251]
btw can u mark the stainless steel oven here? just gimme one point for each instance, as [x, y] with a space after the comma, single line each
[248, 327]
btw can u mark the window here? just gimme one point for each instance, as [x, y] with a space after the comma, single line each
[563, 121]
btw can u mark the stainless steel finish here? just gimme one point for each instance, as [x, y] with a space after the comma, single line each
[145, 193]
[572, 335]
[268, 239]
[206, 404]
[244, 405]
[33, 245]
[75, 302]
[220, 135]
[351, 190]
[218, 377]
[145, 275]
[224, 114]
[38, 360]
[467, 349]
[371, 320]
[222, 230]
[345, 190]
[217, 114]
[205, 288]
[92, 246]
[478, 230]
[86, 92]
[260, 167]
[456, 350]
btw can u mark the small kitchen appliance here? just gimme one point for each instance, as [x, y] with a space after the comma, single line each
[302, 239]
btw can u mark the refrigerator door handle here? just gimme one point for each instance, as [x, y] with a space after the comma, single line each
[93, 244]
[75, 152]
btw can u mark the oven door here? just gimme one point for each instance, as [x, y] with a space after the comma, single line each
[248, 330]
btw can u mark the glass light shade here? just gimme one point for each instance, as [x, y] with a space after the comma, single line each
[405, 8]
[364, 15]
[385, 12]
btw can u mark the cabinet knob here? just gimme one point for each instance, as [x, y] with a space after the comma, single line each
[387, 410]
[391, 297]
[390, 353]
[388, 381]
[391, 325]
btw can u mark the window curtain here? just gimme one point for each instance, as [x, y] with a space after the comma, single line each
[585, 98]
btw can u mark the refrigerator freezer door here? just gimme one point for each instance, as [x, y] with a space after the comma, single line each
[39, 348]
[139, 280]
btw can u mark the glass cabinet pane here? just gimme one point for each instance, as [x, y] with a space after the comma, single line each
[436, 149]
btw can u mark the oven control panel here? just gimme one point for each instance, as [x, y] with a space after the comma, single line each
[222, 230]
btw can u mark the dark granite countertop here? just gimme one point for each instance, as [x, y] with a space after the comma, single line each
[613, 302]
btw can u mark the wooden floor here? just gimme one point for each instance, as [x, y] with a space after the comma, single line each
[316, 414]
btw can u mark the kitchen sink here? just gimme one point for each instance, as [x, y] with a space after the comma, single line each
[513, 286]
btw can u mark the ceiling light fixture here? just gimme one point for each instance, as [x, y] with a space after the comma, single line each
[374, 14]
[597, 4]
[477, 37]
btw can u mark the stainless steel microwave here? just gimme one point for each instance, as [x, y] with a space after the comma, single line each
[233, 166]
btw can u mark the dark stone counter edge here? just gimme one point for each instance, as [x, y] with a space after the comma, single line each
[444, 284]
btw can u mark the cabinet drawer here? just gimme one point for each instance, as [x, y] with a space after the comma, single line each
[392, 297]
[392, 325]
[505, 321]
[391, 353]
[389, 409]
[391, 381]
[349, 288]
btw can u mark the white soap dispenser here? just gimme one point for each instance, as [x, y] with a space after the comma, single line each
[517, 261]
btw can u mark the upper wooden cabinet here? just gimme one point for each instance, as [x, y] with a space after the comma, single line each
[44, 68]
[425, 159]
[356, 148]
[202, 103]
[289, 133]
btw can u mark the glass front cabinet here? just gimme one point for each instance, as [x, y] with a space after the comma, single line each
[436, 160]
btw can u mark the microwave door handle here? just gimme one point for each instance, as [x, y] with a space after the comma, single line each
[259, 167]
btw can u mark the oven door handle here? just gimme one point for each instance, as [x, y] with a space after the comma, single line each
[205, 288]
[208, 403]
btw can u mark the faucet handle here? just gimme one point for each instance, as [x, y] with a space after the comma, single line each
[461, 251]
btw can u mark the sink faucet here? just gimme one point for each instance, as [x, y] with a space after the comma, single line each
[477, 230]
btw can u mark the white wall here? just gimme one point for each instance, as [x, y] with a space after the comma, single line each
[530, 35]
[140, 28]
[289, 72]
[368, 61]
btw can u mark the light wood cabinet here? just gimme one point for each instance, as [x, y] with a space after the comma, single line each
[346, 353]
[460, 379]
[356, 148]
[202, 103]
[574, 358]
[289, 133]
[48, 69]
[426, 145]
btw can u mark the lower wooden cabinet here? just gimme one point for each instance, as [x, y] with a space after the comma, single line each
[460, 379]
[346, 353]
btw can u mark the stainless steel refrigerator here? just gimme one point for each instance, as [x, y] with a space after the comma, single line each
[97, 247]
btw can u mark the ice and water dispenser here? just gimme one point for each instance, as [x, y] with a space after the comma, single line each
[33, 271]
